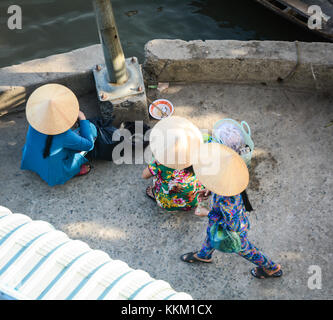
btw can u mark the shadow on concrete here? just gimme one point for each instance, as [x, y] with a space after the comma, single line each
[289, 189]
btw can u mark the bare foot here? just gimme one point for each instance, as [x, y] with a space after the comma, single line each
[261, 273]
[193, 257]
[85, 169]
[201, 212]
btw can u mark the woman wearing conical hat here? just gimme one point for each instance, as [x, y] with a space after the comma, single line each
[52, 149]
[225, 174]
[175, 186]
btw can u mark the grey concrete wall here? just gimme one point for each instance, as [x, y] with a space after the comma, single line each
[240, 62]
[73, 69]
[180, 61]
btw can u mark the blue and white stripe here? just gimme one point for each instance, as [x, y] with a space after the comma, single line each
[38, 262]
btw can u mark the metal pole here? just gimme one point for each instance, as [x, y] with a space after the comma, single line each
[108, 33]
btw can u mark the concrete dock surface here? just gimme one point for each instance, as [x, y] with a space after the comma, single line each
[290, 189]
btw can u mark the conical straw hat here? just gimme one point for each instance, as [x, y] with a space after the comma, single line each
[52, 109]
[173, 141]
[221, 170]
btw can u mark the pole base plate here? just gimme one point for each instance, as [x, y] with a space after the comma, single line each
[107, 91]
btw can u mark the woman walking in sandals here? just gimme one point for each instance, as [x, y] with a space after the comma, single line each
[175, 186]
[52, 149]
[225, 174]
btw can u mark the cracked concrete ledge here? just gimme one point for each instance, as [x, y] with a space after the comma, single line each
[73, 69]
[180, 61]
[300, 64]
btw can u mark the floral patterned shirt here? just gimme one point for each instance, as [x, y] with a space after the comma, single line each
[174, 189]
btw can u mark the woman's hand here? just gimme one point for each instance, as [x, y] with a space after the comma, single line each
[81, 116]
[204, 194]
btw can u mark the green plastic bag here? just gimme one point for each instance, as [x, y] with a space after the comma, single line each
[224, 240]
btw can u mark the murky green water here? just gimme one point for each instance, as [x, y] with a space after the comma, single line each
[56, 26]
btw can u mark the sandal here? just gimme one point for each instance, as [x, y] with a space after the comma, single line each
[150, 194]
[189, 257]
[85, 169]
[262, 273]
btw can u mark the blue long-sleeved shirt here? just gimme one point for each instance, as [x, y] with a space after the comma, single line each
[64, 161]
[230, 212]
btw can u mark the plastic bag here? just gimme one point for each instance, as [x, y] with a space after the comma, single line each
[104, 144]
[245, 130]
[224, 240]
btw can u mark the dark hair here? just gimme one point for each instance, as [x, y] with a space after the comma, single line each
[246, 201]
[47, 148]
[189, 169]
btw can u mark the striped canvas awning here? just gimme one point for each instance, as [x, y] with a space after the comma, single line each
[38, 262]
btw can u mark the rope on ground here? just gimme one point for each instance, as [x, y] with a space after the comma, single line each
[293, 70]
[314, 77]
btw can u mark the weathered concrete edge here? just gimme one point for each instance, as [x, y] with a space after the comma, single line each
[300, 64]
[179, 61]
[72, 69]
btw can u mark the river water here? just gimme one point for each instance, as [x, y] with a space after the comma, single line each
[56, 26]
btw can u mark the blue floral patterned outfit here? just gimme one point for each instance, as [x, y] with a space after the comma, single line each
[231, 214]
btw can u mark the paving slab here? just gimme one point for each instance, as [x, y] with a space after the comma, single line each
[290, 189]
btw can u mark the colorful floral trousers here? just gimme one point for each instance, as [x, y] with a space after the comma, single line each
[249, 251]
